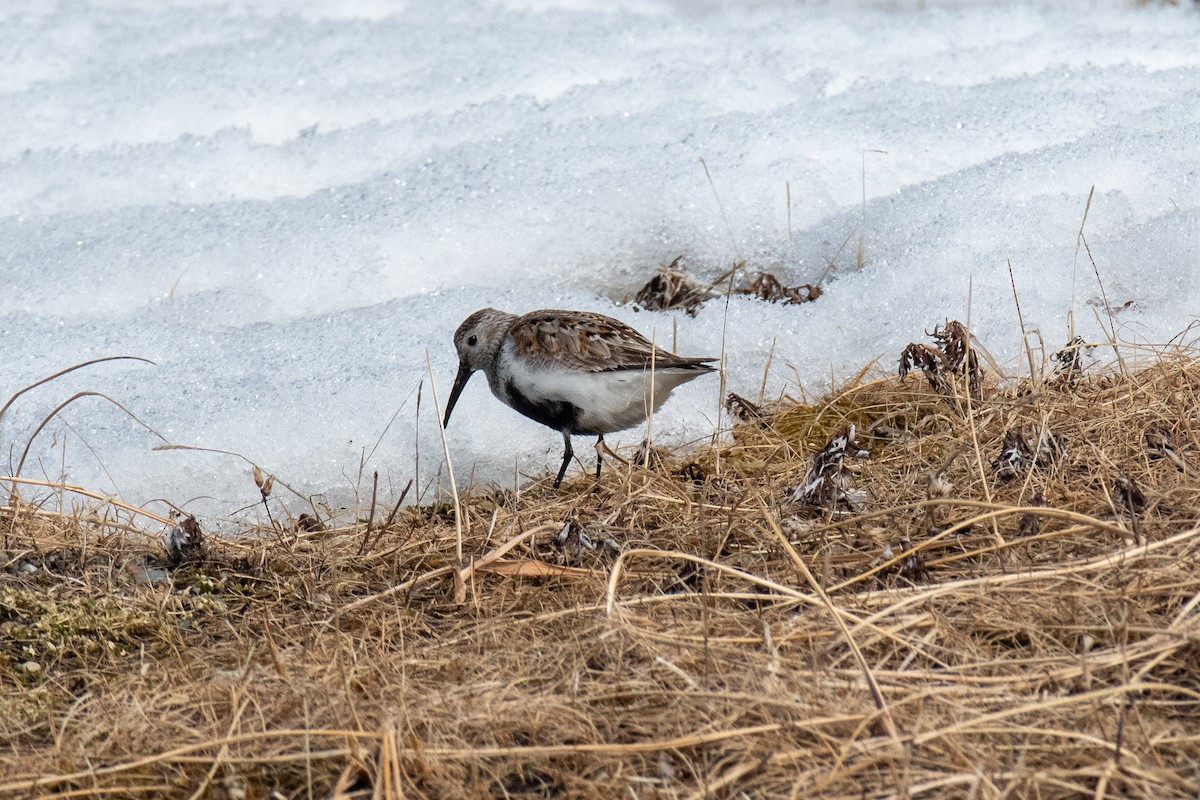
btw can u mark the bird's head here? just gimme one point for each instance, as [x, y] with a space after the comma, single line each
[477, 341]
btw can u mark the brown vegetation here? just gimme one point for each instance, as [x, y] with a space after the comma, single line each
[973, 625]
[671, 289]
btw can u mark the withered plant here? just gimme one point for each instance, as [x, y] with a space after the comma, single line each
[950, 355]
[683, 632]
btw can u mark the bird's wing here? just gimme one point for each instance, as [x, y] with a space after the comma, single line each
[582, 340]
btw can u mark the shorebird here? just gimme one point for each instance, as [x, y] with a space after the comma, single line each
[577, 372]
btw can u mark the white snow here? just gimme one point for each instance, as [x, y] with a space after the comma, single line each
[287, 206]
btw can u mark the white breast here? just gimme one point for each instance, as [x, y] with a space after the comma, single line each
[607, 401]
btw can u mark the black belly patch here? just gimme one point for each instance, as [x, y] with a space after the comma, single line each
[557, 414]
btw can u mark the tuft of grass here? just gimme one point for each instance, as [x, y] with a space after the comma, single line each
[732, 643]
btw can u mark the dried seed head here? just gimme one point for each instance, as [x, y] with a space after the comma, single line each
[575, 540]
[828, 480]
[264, 482]
[953, 355]
[766, 286]
[670, 288]
[1069, 360]
[940, 486]
[1028, 447]
[184, 542]
[742, 408]
[1163, 442]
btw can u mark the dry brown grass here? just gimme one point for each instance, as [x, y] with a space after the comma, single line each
[1031, 637]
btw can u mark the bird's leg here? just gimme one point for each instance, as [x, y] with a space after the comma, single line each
[600, 448]
[567, 453]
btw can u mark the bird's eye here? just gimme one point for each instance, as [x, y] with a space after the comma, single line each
[472, 340]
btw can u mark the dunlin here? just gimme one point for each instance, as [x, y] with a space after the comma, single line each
[574, 371]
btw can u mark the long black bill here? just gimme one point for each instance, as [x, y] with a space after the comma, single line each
[460, 380]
